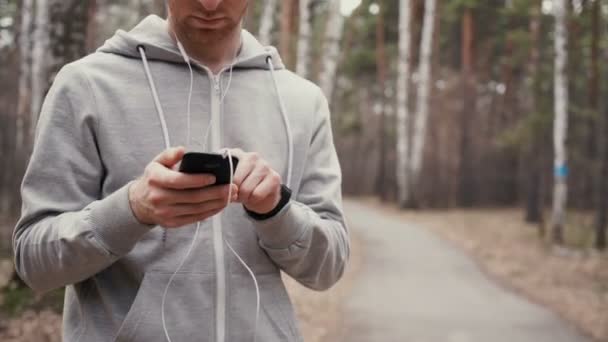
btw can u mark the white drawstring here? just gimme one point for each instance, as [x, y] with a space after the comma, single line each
[285, 122]
[189, 114]
[159, 108]
[227, 153]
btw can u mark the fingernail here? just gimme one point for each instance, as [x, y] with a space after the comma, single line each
[211, 179]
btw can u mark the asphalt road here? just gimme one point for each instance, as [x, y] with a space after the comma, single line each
[414, 287]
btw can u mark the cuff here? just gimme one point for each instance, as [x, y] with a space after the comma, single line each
[283, 229]
[114, 223]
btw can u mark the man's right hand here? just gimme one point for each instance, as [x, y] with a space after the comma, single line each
[167, 197]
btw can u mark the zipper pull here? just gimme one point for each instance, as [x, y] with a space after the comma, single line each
[216, 83]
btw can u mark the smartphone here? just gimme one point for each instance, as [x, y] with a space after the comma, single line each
[213, 163]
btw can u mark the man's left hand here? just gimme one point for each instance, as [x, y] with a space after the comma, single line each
[259, 186]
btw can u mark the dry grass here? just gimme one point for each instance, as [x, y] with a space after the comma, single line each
[571, 282]
[320, 313]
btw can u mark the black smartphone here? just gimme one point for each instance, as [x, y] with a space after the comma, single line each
[213, 163]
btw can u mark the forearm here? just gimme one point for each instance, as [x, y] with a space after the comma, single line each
[312, 249]
[52, 251]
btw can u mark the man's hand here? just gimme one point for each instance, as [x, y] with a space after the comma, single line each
[167, 197]
[259, 186]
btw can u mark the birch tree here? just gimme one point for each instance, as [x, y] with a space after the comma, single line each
[304, 35]
[560, 123]
[403, 116]
[333, 36]
[267, 21]
[25, 71]
[381, 67]
[422, 103]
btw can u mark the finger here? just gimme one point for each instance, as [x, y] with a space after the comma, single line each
[184, 220]
[171, 156]
[270, 186]
[170, 179]
[212, 193]
[244, 168]
[177, 210]
[251, 182]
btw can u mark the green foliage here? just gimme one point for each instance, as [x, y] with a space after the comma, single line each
[17, 298]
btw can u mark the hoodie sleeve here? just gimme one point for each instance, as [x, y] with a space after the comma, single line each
[66, 232]
[308, 238]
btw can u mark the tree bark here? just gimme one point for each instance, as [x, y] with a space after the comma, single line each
[403, 115]
[466, 186]
[601, 220]
[534, 206]
[287, 15]
[267, 21]
[381, 79]
[560, 124]
[333, 36]
[304, 37]
[422, 103]
[39, 62]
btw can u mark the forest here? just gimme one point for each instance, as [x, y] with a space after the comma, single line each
[436, 105]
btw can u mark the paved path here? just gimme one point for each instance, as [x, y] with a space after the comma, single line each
[414, 287]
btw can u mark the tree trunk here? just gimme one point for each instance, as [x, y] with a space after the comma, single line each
[601, 220]
[381, 79]
[560, 124]
[333, 36]
[466, 185]
[287, 14]
[422, 103]
[304, 37]
[267, 21]
[39, 62]
[403, 115]
[534, 213]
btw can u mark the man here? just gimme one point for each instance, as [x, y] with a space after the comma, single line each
[145, 251]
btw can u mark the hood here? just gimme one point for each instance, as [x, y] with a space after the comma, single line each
[152, 33]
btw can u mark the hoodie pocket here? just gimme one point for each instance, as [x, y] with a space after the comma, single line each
[188, 310]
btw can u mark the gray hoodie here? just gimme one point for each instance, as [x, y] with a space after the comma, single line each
[98, 129]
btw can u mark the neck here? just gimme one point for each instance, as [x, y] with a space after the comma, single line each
[214, 55]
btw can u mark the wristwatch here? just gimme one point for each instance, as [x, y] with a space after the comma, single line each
[285, 197]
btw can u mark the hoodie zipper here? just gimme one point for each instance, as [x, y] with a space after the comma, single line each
[218, 242]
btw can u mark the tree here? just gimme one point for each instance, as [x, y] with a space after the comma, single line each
[267, 21]
[601, 219]
[381, 79]
[422, 103]
[333, 36]
[304, 37]
[403, 116]
[287, 16]
[466, 185]
[534, 177]
[560, 123]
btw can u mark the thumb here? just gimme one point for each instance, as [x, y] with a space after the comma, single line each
[171, 156]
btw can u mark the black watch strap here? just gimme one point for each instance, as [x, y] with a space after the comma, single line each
[285, 197]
